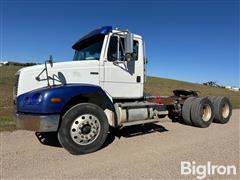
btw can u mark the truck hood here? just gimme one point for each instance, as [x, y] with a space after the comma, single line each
[56, 66]
[61, 73]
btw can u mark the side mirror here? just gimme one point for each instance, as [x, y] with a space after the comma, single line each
[50, 61]
[145, 60]
[129, 43]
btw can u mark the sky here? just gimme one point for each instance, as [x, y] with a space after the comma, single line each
[189, 40]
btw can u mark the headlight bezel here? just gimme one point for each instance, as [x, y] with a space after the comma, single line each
[35, 99]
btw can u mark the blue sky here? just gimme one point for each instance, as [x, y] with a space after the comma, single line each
[190, 40]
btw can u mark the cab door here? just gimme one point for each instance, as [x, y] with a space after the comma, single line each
[122, 79]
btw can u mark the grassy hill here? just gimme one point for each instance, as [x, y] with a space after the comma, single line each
[164, 87]
[154, 85]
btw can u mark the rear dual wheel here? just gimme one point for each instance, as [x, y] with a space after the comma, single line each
[186, 110]
[222, 109]
[202, 112]
[198, 112]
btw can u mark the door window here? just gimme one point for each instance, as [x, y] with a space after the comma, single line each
[135, 50]
[116, 49]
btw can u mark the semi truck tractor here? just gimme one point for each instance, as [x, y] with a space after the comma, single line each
[102, 88]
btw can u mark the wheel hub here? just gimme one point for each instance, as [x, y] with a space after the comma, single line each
[85, 129]
[206, 112]
[225, 110]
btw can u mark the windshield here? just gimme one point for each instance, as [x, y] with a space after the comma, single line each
[89, 50]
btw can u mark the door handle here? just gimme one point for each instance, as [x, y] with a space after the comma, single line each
[138, 79]
[94, 73]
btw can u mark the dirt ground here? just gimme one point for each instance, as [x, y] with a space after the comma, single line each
[153, 151]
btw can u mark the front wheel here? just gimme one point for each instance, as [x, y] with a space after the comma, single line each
[83, 129]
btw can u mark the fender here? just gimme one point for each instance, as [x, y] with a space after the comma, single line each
[40, 101]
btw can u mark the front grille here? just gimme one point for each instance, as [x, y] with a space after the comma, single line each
[15, 87]
[15, 92]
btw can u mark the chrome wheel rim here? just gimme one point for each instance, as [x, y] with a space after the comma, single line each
[225, 110]
[85, 129]
[206, 112]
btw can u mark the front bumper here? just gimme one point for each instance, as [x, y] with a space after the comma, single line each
[39, 123]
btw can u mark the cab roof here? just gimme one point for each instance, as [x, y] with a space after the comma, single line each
[100, 31]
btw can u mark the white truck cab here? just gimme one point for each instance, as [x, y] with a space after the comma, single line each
[98, 60]
[102, 87]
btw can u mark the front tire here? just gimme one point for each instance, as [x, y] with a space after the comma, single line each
[84, 129]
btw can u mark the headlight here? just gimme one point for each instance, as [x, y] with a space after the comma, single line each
[35, 99]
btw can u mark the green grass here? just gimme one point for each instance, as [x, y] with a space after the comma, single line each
[6, 85]
[154, 85]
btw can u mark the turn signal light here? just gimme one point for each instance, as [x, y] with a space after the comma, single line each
[55, 99]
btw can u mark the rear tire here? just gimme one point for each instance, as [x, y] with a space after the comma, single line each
[222, 109]
[83, 129]
[186, 110]
[202, 112]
